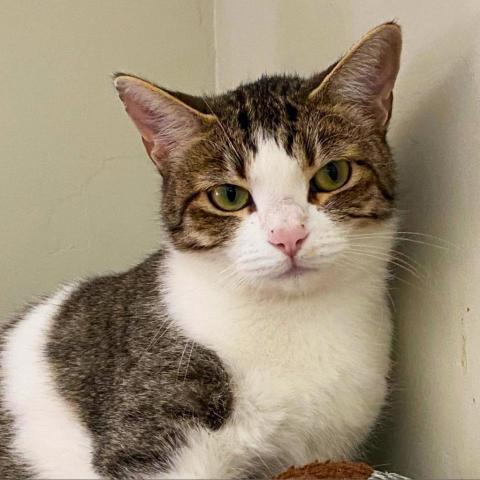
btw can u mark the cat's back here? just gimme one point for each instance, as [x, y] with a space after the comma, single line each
[48, 354]
[92, 372]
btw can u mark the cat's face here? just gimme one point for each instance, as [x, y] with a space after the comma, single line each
[283, 181]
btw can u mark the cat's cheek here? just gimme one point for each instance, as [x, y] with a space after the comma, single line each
[249, 246]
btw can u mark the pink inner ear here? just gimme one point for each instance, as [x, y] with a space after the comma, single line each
[148, 126]
[366, 76]
[165, 123]
[384, 86]
[141, 117]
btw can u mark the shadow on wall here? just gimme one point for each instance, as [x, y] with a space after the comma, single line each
[434, 151]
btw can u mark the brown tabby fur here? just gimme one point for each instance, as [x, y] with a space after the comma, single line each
[312, 130]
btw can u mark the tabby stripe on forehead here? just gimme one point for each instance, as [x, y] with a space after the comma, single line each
[292, 115]
[244, 121]
[238, 164]
[383, 190]
[309, 148]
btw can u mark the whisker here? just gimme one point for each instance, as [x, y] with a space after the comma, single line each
[363, 268]
[392, 303]
[403, 239]
[396, 262]
[180, 362]
[387, 258]
[404, 235]
[395, 254]
[188, 361]
[402, 280]
[404, 232]
[158, 334]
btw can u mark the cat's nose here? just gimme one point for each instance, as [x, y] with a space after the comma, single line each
[288, 240]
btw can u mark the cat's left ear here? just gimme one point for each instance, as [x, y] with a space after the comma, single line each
[167, 121]
[366, 74]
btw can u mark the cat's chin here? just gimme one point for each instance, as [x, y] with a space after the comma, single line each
[297, 280]
[285, 279]
[295, 271]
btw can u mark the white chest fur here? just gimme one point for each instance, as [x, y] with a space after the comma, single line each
[308, 373]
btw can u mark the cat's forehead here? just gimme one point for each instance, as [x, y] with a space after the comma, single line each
[267, 107]
[272, 172]
[270, 125]
[277, 108]
[262, 92]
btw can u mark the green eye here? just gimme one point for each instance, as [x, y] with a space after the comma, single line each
[229, 198]
[332, 176]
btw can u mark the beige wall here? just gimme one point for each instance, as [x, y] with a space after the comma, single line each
[77, 193]
[435, 138]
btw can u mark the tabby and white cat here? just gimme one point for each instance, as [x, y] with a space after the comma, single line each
[260, 336]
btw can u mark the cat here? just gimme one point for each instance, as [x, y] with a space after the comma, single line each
[259, 336]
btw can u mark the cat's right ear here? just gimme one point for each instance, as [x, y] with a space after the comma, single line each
[166, 123]
[365, 76]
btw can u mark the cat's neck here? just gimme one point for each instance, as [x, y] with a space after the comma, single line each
[201, 301]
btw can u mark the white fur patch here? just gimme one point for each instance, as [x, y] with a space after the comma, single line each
[275, 175]
[308, 372]
[48, 433]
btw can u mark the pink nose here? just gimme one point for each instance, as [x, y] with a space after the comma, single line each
[288, 240]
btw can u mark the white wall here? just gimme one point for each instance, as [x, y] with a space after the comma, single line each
[434, 134]
[78, 195]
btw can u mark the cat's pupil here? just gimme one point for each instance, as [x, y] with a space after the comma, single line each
[332, 171]
[231, 193]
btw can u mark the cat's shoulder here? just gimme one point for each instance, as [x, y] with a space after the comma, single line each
[101, 291]
[141, 282]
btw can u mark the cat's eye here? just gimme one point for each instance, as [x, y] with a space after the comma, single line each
[332, 176]
[229, 198]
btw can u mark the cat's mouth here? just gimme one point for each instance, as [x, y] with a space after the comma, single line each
[294, 271]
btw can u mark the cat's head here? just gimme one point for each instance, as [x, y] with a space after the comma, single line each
[283, 182]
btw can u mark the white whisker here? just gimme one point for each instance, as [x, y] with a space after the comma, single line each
[396, 254]
[387, 259]
[188, 361]
[180, 361]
